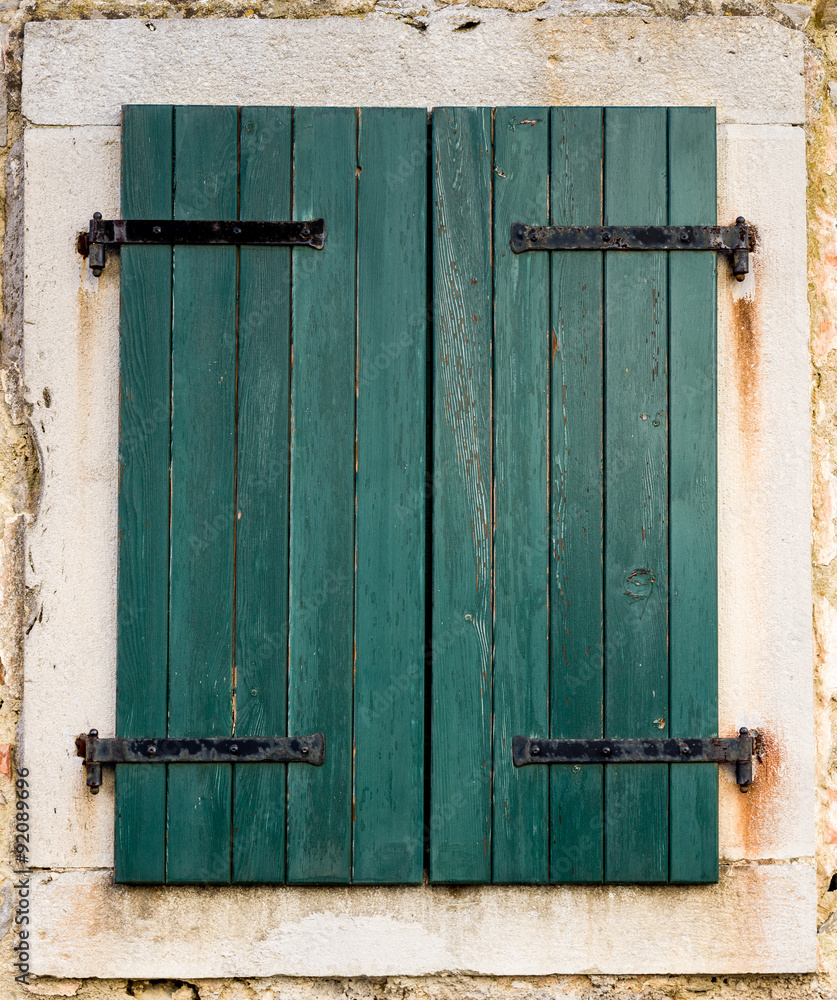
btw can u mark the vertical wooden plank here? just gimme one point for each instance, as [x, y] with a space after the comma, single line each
[636, 497]
[460, 818]
[203, 492]
[521, 491]
[576, 428]
[693, 471]
[321, 659]
[142, 616]
[262, 470]
[389, 589]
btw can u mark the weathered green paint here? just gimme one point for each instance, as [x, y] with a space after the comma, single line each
[389, 584]
[298, 491]
[321, 664]
[636, 504]
[693, 642]
[576, 428]
[145, 390]
[521, 490]
[460, 815]
[203, 494]
[262, 475]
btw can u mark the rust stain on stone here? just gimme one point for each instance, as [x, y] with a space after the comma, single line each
[747, 360]
[757, 809]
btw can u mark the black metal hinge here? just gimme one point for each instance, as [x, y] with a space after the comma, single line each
[738, 750]
[115, 233]
[737, 241]
[223, 750]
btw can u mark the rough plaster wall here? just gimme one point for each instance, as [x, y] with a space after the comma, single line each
[19, 490]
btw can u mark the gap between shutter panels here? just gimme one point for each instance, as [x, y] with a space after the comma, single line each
[506, 174]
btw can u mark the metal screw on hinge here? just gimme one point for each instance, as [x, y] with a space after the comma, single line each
[606, 751]
[685, 751]
[535, 750]
[233, 748]
[152, 751]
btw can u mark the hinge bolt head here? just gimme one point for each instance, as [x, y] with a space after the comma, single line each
[233, 748]
[151, 751]
[304, 750]
[684, 237]
[157, 229]
[535, 750]
[685, 751]
[606, 751]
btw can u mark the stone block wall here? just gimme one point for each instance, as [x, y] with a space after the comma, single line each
[22, 461]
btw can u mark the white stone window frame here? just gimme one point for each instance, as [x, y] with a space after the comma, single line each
[761, 915]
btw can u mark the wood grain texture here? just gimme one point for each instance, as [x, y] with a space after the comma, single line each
[460, 816]
[521, 491]
[576, 442]
[262, 474]
[321, 659]
[144, 421]
[636, 508]
[203, 494]
[693, 640]
[390, 584]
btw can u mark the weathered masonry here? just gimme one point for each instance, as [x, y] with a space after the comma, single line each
[410, 483]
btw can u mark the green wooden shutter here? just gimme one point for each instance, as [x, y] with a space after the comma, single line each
[272, 496]
[574, 563]
[144, 450]
[273, 493]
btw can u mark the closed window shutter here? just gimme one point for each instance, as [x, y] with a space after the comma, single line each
[273, 493]
[574, 566]
[272, 496]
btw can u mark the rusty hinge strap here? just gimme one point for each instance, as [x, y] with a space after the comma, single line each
[738, 750]
[181, 232]
[737, 240]
[221, 750]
